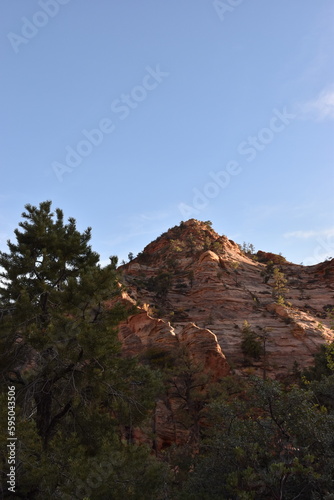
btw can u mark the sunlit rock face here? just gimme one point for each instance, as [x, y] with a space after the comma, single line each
[192, 291]
[198, 288]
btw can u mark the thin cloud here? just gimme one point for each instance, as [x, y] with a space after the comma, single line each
[310, 234]
[154, 216]
[320, 108]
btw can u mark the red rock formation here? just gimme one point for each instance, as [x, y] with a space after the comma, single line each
[213, 287]
[196, 289]
[139, 334]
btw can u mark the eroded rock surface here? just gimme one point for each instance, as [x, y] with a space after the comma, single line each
[200, 287]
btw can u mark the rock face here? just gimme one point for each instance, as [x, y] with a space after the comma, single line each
[141, 332]
[198, 288]
[146, 336]
[193, 291]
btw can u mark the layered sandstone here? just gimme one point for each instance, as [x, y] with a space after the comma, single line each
[199, 288]
[141, 332]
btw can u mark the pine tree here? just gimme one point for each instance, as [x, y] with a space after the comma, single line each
[279, 286]
[266, 443]
[58, 342]
[53, 289]
[250, 343]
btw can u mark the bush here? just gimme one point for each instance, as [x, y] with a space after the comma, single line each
[265, 257]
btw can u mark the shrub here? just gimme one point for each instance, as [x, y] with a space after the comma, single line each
[250, 344]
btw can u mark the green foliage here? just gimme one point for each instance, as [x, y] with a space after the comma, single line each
[207, 243]
[158, 358]
[185, 385]
[79, 402]
[267, 257]
[270, 444]
[279, 285]
[208, 223]
[323, 363]
[144, 258]
[130, 256]
[330, 356]
[247, 248]
[177, 245]
[217, 246]
[280, 300]
[76, 396]
[251, 344]
[330, 312]
[193, 244]
[324, 392]
[160, 284]
[268, 272]
[235, 266]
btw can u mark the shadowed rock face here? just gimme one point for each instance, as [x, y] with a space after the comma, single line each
[141, 332]
[197, 289]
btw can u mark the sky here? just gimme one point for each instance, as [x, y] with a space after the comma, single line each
[132, 116]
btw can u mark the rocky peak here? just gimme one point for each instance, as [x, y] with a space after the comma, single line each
[185, 241]
[191, 275]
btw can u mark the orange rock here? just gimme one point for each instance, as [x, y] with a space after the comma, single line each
[216, 287]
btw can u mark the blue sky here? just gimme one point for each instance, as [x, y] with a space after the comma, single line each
[134, 115]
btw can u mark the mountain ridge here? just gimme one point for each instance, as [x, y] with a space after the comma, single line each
[192, 275]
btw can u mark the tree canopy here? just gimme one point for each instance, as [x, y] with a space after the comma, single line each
[77, 397]
[79, 400]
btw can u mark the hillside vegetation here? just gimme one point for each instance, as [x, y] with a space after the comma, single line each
[198, 370]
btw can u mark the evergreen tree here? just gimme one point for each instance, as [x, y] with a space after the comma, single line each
[250, 343]
[279, 286]
[270, 443]
[75, 393]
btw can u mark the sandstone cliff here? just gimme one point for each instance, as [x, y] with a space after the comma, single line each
[197, 288]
